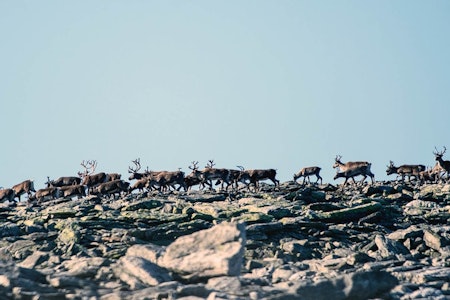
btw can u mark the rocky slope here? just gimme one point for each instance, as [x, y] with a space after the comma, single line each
[388, 240]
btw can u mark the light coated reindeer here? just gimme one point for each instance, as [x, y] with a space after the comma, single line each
[405, 170]
[431, 174]
[306, 172]
[444, 164]
[7, 194]
[352, 169]
[26, 186]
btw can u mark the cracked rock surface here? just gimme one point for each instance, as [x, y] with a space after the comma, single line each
[389, 240]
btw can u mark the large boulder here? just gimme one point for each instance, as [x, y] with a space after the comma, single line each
[217, 251]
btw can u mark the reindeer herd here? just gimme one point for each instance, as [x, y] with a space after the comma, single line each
[109, 184]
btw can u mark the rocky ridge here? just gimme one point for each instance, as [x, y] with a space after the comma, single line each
[389, 240]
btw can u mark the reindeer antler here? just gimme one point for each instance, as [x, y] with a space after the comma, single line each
[89, 167]
[338, 158]
[194, 165]
[210, 163]
[137, 163]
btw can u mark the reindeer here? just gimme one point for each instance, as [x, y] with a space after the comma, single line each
[444, 164]
[234, 177]
[26, 186]
[113, 176]
[89, 178]
[140, 184]
[46, 193]
[63, 181]
[73, 190]
[194, 177]
[430, 174]
[209, 173]
[352, 169]
[7, 194]
[135, 174]
[166, 179]
[111, 187]
[135, 171]
[306, 172]
[405, 170]
[254, 176]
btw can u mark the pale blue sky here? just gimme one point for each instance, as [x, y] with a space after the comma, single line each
[263, 84]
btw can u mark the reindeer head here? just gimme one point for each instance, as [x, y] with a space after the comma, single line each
[438, 154]
[337, 161]
[134, 171]
[391, 169]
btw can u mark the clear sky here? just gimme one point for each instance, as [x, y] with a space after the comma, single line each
[262, 84]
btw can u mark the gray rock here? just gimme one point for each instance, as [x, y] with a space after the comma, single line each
[34, 259]
[359, 285]
[434, 240]
[139, 272]
[389, 248]
[149, 252]
[213, 252]
[9, 229]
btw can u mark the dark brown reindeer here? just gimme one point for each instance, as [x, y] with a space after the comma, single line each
[113, 187]
[135, 174]
[45, 193]
[163, 180]
[308, 171]
[234, 177]
[63, 181]
[26, 186]
[70, 191]
[209, 173]
[194, 177]
[352, 169]
[444, 164]
[113, 176]
[256, 175]
[405, 170]
[89, 178]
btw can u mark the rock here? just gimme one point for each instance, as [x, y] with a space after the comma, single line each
[137, 271]
[412, 231]
[349, 214]
[433, 240]
[213, 252]
[34, 259]
[83, 267]
[389, 248]
[419, 207]
[143, 204]
[272, 210]
[149, 252]
[297, 241]
[9, 229]
[355, 286]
